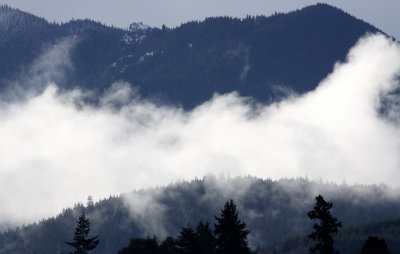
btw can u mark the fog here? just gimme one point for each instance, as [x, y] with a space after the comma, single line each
[57, 149]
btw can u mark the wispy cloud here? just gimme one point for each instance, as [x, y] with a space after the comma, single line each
[56, 149]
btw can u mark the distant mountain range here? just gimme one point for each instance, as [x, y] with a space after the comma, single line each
[185, 66]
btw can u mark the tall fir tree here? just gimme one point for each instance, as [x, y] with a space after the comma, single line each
[81, 240]
[205, 238]
[325, 226]
[187, 241]
[231, 233]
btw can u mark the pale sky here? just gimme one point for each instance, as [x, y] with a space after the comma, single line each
[383, 14]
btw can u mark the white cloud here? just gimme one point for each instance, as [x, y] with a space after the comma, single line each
[55, 153]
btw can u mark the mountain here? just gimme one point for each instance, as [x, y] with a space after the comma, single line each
[261, 57]
[186, 65]
[273, 211]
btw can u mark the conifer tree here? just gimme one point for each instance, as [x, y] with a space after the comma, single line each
[187, 241]
[82, 242]
[231, 233]
[325, 226]
[374, 245]
[168, 246]
[89, 201]
[148, 245]
[205, 238]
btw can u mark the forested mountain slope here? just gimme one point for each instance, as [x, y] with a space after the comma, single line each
[273, 211]
[350, 239]
[186, 65]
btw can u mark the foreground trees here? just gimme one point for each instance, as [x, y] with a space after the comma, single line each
[187, 242]
[146, 245]
[81, 241]
[231, 232]
[206, 239]
[230, 238]
[374, 245]
[325, 226]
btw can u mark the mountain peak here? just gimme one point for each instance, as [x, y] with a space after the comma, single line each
[136, 27]
[322, 7]
[327, 11]
[14, 21]
[186, 65]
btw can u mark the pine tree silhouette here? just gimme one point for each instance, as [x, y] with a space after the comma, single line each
[231, 233]
[82, 243]
[168, 246]
[205, 238]
[374, 245]
[326, 226]
[187, 241]
[148, 245]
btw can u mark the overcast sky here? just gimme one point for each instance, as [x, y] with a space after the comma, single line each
[120, 13]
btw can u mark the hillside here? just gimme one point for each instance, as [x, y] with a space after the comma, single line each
[260, 57]
[273, 211]
[255, 56]
[350, 239]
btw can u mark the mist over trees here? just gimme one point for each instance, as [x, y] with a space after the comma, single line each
[273, 210]
[325, 225]
[230, 238]
[82, 243]
[185, 66]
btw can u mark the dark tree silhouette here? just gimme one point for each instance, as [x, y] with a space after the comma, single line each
[82, 242]
[168, 246]
[146, 245]
[325, 226]
[231, 233]
[187, 241]
[205, 238]
[374, 245]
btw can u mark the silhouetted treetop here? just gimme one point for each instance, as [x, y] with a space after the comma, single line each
[81, 240]
[231, 233]
[374, 245]
[325, 225]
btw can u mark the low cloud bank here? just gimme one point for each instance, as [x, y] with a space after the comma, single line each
[56, 149]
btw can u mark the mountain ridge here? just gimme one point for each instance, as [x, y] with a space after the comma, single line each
[186, 65]
[273, 211]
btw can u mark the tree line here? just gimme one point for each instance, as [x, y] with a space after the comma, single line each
[228, 237]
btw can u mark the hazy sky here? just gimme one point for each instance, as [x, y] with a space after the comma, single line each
[383, 14]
